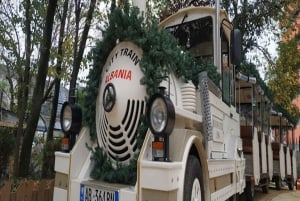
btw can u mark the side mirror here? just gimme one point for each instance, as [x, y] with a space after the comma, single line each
[235, 46]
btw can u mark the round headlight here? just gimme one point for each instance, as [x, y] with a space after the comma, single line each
[161, 115]
[70, 118]
[66, 118]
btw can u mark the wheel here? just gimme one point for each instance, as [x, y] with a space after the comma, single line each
[278, 183]
[249, 191]
[291, 184]
[236, 197]
[265, 187]
[193, 180]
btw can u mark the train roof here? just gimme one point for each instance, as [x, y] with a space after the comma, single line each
[192, 13]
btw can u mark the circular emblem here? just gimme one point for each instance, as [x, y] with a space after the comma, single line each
[109, 97]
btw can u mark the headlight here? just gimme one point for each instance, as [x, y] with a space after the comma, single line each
[66, 118]
[161, 115]
[70, 118]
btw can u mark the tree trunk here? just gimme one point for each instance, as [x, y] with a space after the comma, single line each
[38, 92]
[79, 54]
[23, 98]
[47, 166]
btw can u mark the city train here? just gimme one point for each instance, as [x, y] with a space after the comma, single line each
[205, 141]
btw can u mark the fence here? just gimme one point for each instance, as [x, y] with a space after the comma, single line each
[28, 191]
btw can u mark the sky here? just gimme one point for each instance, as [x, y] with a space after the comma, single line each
[269, 40]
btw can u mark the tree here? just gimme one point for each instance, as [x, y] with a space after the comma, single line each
[21, 23]
[19, 62]
[57, 81]
[286, 72]
[79, 49]
[66, 60]
[38, 92]
[10, 52]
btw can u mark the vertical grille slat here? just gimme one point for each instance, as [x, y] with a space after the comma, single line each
[134, 122]
[103, 130]
[127, 112]
[129, 120]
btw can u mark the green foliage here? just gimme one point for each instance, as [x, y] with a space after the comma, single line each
[161, 56]
[7, 137]
[284, 78]
[165, 8]
[254, 17]
[104, 169]
[271, 90]
[251, 70]
[43, 154]
[15, 57]
[107, 172]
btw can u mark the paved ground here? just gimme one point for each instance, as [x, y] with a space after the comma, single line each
[288, 196]
[274, 195]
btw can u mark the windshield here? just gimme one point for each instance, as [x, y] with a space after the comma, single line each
[197, 37]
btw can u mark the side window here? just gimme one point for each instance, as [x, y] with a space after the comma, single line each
[227, 73]
[226, 79]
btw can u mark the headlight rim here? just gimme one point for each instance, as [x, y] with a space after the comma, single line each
[170, 120]
[75, 120]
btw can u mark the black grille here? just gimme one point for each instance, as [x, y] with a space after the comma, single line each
[120, 140]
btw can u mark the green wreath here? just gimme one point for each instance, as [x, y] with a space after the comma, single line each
[161, 55]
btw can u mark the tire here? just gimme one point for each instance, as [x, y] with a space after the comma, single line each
[265, 187]
[249, 191]
[193, 185]
[291, 184]
[278, 183]
[236, 197]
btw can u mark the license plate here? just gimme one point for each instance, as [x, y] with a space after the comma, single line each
[88, 193]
